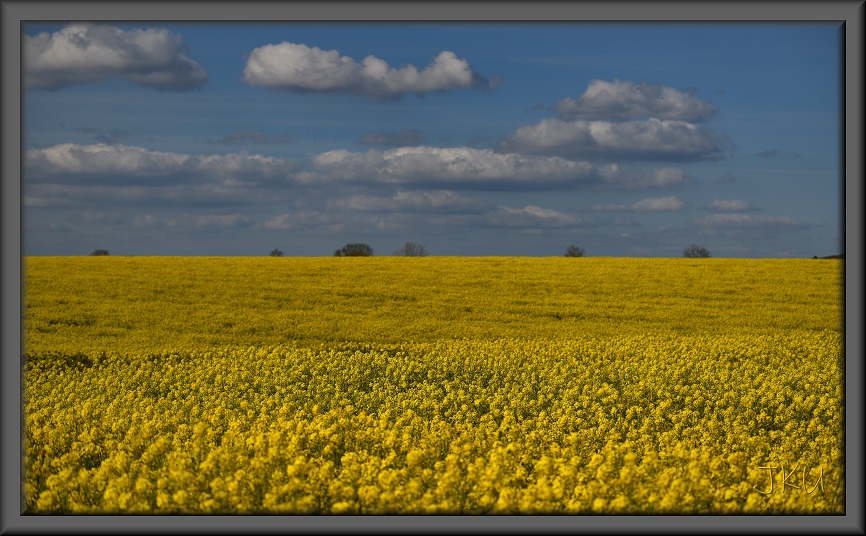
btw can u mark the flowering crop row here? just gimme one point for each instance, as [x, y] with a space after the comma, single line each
[629, 408]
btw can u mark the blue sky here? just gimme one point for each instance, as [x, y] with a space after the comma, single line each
[626, 139]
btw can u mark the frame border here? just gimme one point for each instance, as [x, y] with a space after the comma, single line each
[848, 13]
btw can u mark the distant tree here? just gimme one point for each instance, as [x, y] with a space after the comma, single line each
[99, 252]
[412, 249]
[354, 250]
[696, 252]
[574, 251]
[276, 253]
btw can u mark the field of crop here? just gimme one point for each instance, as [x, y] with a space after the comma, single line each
[433, 385]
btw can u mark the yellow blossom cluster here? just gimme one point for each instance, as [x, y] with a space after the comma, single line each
[640, 397]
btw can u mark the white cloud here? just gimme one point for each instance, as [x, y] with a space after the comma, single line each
[531, 216]
[102, 159]
[75, 175]
[254, 167]
[442, 201]
[638, 178]
[304, 219]
[82, 53]
[652, 139]
[116, 165]
[457, 165]
[298, 67]
[651, 204]
[120, 163]
[208, 221]
[366, 214]
[485, 169]
[658, 204]
[667, 177]
[623, 100]
[730, 205]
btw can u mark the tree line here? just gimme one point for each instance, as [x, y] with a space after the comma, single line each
[413, 249]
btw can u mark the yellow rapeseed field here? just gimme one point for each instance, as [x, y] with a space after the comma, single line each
[394, 385]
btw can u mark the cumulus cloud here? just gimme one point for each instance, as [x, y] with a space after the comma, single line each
[652, 204]
[394, 139]
[240, 137]
[434, 209]
[130, 164]
[304, 219]
[730, 205]
[83, 53]
[441, 201]
[485, 169]
[623, 100]
[649, 140]
[658, 204]
[531, 216]
[616, 177]
[335, 221]
[101, 160]
[301, 68]
[73, 175]
[474, 168]
[245, 166]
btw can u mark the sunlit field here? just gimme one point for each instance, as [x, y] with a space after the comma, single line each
[434, 385]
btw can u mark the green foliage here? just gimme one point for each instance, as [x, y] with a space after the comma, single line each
[695, 251]
[412, 249]
[574, 251]
[354, 250]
